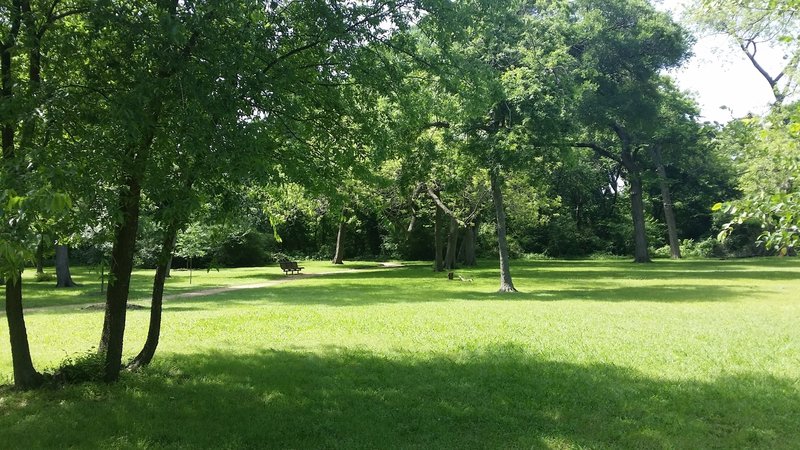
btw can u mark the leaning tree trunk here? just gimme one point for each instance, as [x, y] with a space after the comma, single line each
[438, 263]
[452, 241]
[666, 199]
[120, 272]
[171, 256]
[25, 375]
[154, 330]
[637, 211]
[338, 257]
[63, 276]
[506, 284]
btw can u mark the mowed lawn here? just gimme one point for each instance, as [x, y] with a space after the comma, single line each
[590, 354]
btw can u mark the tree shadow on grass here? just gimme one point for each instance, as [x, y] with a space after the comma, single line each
[499, 397]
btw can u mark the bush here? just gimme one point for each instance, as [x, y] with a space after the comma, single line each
[43, 276]
[707, 248]
[79, 369]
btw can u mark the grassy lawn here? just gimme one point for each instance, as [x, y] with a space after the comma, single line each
[38, 294]
[591, 354]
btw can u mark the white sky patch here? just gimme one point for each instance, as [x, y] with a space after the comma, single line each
[721, 77]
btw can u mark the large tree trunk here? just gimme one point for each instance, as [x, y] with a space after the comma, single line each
[452, 242]
[25, 376]
[338, 257]
[468, 246]
[438, 263]
[120, 271]
[63, 276]
[154, 330]
[506, 284]
[641, 254]
[628, 161]
[666, 199]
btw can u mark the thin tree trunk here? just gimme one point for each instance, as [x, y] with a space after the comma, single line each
[171, 256]
[121, 266]
[154, 330]
[40, 256]
[338, 257]
[438, 263]
[25, 375]
[452, 241]
[63, 276]
[666, 199]
[506, 284]
[102, 275]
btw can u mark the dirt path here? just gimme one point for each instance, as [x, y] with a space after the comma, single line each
[219, 290]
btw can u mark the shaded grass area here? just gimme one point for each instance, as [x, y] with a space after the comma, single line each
[591, 354]
[500, 397]
[38, 294]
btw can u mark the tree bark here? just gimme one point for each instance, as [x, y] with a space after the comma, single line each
[438, 263]
[338, 257]
[25, 375]
[468, 246]
[628, 160]
[63, 276]
[666, 199]
[641, 254]
[154, 330]
[171, 256]
[111, 340]
[452, 241]
[40, 256]
[506, 284]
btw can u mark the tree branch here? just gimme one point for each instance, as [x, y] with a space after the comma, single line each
[444, 207]
[600, 151]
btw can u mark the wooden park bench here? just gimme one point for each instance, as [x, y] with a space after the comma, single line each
[290, 267]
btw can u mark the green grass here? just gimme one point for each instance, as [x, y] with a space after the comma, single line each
[38, 294]
[591, 354]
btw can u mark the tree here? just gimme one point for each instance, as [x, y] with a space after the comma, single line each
[258, 127]
[26, 191]
[508, 92]
[769, 145]
[770, 167]
[753, 25]
[623, 46]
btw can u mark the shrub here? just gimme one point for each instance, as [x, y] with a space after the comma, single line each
[43, 276]
[79, 369]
